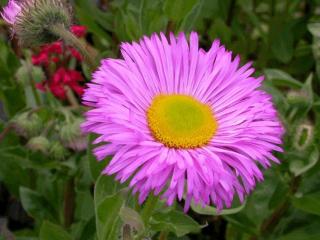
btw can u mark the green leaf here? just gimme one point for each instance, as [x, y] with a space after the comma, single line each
[242, 222]
[279, 195]
[311, 232]
[213, 211]
[191, 19]
[300, 166]
[174, 221]
[281, 39]
[12, 172]
[219, 29]
[132, 218]
[177, 10]
[108, 198]
[309, 203]
[96, 166]
[36, 205]
[50, 231]
[281, 78]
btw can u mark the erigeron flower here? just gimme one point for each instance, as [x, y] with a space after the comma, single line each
[181, 121]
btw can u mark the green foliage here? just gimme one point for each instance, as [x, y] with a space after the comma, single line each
[62, 190]
[50, 231]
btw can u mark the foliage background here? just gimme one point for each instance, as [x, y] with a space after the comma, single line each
[281, 37]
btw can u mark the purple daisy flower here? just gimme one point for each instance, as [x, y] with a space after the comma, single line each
[182, 122]
[11, 11]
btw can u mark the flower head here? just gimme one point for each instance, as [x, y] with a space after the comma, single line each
[182, 122]
[32, 20]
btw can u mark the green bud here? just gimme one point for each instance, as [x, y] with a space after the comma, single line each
[72, 137]
[27, 124]
[34, 22]
[298, 97]
[28, 73]
[39, 143]
[304, 136]
[57, 151]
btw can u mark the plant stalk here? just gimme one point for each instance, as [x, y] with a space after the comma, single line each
[60, 31]
[69, 203]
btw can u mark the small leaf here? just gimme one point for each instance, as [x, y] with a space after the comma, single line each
[50, 231]
[213, 211]
[174, 221]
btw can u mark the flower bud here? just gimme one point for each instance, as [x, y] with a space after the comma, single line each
[39, 143]
[57, 151]
[31, 20]
[304, 136]
[72, 137]
[27, 124]
[298, 97]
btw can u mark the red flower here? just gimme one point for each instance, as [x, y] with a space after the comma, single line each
[74, 52]
[79, 31]
[53, 57]
[62, 78]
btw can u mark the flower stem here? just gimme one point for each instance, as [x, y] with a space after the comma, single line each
[148, 208]
[60, 31]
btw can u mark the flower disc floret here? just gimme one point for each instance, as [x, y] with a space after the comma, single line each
[180, 121]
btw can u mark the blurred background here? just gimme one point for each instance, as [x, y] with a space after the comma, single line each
[47, 172]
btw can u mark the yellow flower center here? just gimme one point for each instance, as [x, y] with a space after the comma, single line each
[181, 121]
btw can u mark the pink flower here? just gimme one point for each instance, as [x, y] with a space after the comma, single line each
[11, 11]
[181, 121]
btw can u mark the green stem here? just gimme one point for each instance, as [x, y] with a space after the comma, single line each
[148, 208]
[60, 31]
